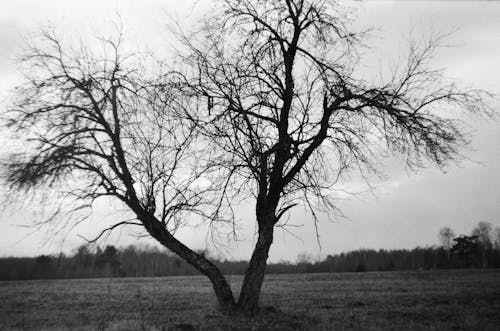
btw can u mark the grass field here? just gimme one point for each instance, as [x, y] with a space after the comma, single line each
[417, 300]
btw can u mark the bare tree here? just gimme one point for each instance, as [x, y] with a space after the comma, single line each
[496, 237]
[95, 127]
[446, 236]
[272, 85]
[269, 92]
[483, 233]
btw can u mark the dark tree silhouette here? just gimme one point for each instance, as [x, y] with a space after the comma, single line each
[273, 86]
[95, 127]
[270, 94]
[466, 248]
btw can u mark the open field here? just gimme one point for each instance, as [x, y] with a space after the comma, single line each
[419, 300]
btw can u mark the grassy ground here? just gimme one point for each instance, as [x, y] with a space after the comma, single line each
[419, 300]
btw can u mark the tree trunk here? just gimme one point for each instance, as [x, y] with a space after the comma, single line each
[254, 277]
[221, 287]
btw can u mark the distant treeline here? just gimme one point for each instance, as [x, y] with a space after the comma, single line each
[467, 252]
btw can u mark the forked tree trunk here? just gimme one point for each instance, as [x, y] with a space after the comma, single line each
[248, 301]
[221, 287]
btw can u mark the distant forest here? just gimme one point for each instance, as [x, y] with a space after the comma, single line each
[481, 249]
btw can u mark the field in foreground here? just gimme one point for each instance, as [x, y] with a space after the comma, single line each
[417, 300]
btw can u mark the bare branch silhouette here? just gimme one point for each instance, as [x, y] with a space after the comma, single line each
[288, 118]
[98, 127]
[265, 107]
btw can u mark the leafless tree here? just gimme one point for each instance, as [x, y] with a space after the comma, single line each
[483, 233]
[266, 106]
[95, 127]
[496, 237]
[273, 86]
[446, 236]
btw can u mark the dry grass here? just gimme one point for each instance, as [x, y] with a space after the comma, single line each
[421, 300]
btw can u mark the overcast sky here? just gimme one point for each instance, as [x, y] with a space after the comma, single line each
[404, 211]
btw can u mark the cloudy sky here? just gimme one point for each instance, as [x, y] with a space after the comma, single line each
[405, 209]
